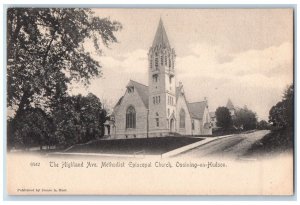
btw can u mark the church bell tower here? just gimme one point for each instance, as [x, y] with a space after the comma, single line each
[162, 89]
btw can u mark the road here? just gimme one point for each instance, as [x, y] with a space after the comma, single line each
[233, 147]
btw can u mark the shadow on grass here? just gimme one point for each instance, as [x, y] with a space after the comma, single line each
[158, 145]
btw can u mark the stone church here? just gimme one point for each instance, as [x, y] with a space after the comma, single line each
[161, 108]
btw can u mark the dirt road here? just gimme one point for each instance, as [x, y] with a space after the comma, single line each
[230, 147]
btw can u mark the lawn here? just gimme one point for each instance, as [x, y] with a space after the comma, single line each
[158, 145]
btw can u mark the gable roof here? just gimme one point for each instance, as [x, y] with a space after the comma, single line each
[197, 109]
[115, 109]
[142, 90]
[230, 105]
[161, 38]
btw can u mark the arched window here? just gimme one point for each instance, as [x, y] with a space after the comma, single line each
[130, 117]
[182, 119]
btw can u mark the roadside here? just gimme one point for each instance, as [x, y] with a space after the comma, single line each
[276, 142]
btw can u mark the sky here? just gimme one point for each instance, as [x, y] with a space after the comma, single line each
[242, 54]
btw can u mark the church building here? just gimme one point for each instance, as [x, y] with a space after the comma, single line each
[161, 108]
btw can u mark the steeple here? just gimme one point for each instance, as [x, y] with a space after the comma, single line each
[229, 105]
[161, 38]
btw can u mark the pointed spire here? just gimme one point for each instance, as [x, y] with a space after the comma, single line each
[161, 38]
[229, 105]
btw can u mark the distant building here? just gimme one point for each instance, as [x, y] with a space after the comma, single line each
[160, 109]
[213, 119]
[230, 107]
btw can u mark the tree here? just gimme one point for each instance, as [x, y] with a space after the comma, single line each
[45, 52]
[245, 118]
[281, 115]
[263, 125]
[223, 117]
[34, 128]
[79, 119]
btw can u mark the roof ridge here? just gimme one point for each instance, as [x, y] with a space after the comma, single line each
[197, 102]
[138, 83]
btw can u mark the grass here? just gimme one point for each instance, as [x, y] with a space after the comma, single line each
[277, 141]
[157, 145]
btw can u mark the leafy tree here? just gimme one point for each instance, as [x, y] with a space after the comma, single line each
[262, 125]
[79, 119]
[45, 52]
[281, 115]
[245, 118]
[223, 117]
[34, 128]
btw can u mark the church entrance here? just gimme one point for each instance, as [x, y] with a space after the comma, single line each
[172, 125]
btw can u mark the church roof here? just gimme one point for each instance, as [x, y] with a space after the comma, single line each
[230, 105]
[197, 109]
[177, 92]
[142, 91]
[161, 38]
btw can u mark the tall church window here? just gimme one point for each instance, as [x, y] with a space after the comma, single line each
[166, 60]
[182, 119]
[153, 100]
[155, 78]
[130, 117]
[193, 124]
[162, 60]
[156, 63]
[157, 122]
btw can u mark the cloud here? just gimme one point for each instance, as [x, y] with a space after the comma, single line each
[256, 78]
[253, 77]
[261, 67]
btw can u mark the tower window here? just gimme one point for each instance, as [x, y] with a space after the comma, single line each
[157, 122]
[162, 60]
[170, 79]
[166, 60]
[156, 63]
[158, 99]
[155, 78]
[130, 117]
[153, 100]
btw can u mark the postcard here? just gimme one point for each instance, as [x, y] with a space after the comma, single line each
[152, 101]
